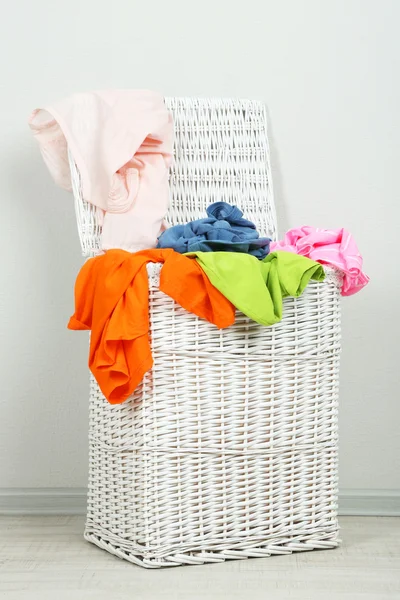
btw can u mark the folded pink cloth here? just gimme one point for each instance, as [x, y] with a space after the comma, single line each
[121, 141]
[335, 247]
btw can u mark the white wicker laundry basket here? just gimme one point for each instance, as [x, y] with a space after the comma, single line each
[228, 449]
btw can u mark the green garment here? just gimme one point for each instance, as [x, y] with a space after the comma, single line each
[257, 287]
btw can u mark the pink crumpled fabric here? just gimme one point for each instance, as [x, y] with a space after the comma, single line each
[335, 247]
[121, 141]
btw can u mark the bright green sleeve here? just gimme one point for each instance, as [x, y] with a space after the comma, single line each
[293, 271]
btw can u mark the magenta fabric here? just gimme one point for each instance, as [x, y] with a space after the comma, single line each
[335, 247]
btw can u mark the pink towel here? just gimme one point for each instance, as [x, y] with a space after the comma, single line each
[121, 141]
[335, 247]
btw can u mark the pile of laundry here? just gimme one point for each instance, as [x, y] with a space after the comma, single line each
[121, 142]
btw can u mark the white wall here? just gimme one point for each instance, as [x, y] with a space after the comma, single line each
[329, 72]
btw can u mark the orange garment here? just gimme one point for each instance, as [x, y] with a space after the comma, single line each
[111, 300]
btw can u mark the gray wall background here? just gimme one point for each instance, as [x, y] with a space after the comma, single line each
[329, 72]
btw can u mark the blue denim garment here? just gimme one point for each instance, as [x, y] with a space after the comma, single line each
[224, 230]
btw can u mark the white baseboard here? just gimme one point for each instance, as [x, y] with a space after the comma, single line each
[379, 503]
[72, 501]
[42, 501]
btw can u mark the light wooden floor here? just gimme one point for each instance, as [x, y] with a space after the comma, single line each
[46, 558]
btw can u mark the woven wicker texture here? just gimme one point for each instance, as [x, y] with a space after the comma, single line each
[228, 448]
[221, 153]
